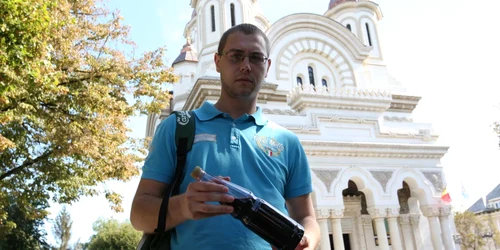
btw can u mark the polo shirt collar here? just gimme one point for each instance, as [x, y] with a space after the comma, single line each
[208, 111]
[259, 117]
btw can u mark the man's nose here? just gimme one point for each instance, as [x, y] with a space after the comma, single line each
[245, 64]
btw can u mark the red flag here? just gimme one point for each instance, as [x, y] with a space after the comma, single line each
[445, 196]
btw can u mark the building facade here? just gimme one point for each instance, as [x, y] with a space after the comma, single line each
[376, 173]
[487, 210]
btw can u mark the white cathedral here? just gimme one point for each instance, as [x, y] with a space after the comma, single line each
[376, 174]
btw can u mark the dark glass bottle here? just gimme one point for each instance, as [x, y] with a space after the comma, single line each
[262, 218]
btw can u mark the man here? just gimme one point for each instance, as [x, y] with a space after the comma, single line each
[233, 139]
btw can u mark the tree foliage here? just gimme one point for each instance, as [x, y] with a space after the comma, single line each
[112, 234]
[494, 231]
[62, 228]
[69, 80]
[28, 232]
[471, 230]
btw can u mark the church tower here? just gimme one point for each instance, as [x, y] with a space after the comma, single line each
[211, 18]
[361, 18]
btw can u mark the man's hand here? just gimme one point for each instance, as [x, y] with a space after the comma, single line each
[194, 201]
[303, 244]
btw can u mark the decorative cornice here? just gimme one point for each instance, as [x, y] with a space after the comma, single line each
[366, 219]
[344, 98]
[377, 212]
[404, 219]
[403, 103]
[336, 213]
[435, 178]
[303, 129]
[430, 210]
[375, 150]
[423, 134]
[208, 88]
[397, 119]
[445, 211]
[382, 177]
[326, 176]
[352, 198]
[414, 219]
[392, 212]
[323, 213]
[288, 112]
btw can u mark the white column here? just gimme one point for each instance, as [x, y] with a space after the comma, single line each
[322, 216]
[336, 218]
[415, 227]
[356, 233]
[366, 221]
[432, 213]
[392, 218]
[444, 219]
[408, 240]
[378, 215]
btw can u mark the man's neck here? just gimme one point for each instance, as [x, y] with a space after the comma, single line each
[236, 107]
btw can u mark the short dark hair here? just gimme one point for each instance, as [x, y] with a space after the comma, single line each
[245, 28]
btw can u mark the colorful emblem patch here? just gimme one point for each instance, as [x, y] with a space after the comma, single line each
[269, 145]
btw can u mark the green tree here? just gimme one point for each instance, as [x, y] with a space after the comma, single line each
[62, 228]
[28, 232]
[69, 80]
[471, 230]
[112, 234]
[494, 231]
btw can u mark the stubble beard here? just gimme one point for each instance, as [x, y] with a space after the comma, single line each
[236, 92]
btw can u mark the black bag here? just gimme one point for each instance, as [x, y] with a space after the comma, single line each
[184, 137]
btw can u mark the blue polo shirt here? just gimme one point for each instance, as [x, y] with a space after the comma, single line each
[256, 153]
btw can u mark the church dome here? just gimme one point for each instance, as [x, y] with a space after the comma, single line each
[334, 3]
[187, 54]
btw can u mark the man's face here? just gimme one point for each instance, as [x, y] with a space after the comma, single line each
[243, 65]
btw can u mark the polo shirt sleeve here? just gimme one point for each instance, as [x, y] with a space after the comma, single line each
[299, 175]
[160, 162]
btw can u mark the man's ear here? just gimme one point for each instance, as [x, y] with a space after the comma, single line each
[268, 66]
[216, 61]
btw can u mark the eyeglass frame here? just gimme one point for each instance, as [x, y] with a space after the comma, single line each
[266, 59]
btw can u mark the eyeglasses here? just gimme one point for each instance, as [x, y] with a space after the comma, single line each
[238, 57]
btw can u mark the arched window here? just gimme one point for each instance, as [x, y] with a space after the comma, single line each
[324, 83]
[311, 75]
[348, 27]
[212, 13]
[233, 19]
[299, 80]
[368, 34]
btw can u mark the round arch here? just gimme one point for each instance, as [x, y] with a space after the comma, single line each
[417, 183]
[363, 180]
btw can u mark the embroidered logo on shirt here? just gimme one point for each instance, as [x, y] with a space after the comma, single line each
[183, 117]
[269, 145]
[205, 137]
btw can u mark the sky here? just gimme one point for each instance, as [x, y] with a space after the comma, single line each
[445, 51]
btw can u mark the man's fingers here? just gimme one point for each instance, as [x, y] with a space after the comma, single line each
[226, 178]
[204, 210]
[209, 197]
[203, 186]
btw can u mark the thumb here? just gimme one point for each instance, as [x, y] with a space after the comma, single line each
[304, 241]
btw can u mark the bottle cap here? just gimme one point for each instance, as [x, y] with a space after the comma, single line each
[197, 173]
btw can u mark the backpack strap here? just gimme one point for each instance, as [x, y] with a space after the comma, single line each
[184, 137]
